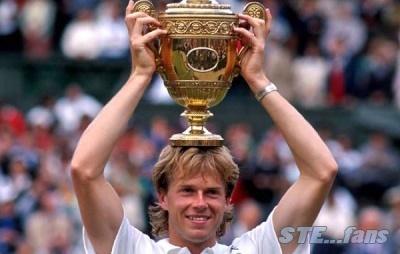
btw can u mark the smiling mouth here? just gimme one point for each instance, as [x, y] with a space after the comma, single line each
[198, 218]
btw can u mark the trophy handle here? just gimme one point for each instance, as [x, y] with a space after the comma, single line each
[255, 10]
[147, 7]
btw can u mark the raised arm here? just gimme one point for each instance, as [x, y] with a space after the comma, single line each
[99, 204]
[302, 202]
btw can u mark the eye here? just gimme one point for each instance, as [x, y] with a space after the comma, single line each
[213, 192]
[186, 190]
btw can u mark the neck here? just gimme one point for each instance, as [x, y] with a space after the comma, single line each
[194, 247]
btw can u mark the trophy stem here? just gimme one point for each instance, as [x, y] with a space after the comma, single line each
[197, 121]
[196, 134]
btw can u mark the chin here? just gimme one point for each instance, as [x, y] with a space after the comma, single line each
[198, 237]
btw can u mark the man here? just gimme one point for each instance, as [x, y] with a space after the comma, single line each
[194, 184]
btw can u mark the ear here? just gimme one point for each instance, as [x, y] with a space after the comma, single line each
[228, 203]
[162, 200]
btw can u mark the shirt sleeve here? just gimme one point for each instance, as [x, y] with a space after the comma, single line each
[265, 240]
[129, 240]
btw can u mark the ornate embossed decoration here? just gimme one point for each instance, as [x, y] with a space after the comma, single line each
[198, 27]
[144, 6]
[255, 10]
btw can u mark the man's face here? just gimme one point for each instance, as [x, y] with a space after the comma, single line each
[196, 207]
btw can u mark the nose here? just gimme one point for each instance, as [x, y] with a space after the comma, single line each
[200, 202]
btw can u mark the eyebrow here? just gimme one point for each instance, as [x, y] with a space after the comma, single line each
[216, 188]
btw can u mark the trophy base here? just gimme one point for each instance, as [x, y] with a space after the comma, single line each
[196, 140]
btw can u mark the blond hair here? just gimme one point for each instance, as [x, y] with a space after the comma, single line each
[183, 162]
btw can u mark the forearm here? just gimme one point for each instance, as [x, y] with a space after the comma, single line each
[313, 158]
[310, 152]
[98, 140]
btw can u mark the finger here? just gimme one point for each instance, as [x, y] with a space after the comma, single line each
[245, 25]
[149, 37]
[269, 20]
[136, 15]
[129, 8]
[259, 25]
[142, 22]
[130, 19]
[246, 35]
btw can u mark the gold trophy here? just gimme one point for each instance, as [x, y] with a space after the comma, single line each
[198, 59]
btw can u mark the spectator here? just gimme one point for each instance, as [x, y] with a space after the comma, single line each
[378, 70]
[37, 22]
[249, 215]
[266, 182]
[10, 34]
[345, 24]
[370, 218]
[75, 6]
[42, 122]
[76, 104]
[379, 153]
[160, 132]
[337, 214]
[113, 37]
[19, 175]
[310, 73]
[310, 26]
[124, 176]
[12, 118]
[42, 115]
[81, 37]
[279, 60]
[10, 224]
[379, 169]
[28, 201]
[348, 157]
[49, 230]
[337, 86]
[396, 81]
[392, 198]
[6, 143]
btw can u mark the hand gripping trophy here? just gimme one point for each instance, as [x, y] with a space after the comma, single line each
[198, 59]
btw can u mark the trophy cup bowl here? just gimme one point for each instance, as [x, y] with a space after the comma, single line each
[198, 59]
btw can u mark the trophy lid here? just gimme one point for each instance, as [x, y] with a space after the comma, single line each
[199, 7]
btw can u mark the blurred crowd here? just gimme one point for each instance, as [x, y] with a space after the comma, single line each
[39, 213]
[320, 52]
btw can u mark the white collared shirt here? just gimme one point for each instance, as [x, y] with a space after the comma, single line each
[260, 240]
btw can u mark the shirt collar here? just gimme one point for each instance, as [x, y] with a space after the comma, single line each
[173, 249]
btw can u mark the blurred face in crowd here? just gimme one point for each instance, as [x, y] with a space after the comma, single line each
[250, 215]
[196, 207]
[48, 202]
[370, 218]
[73, 92]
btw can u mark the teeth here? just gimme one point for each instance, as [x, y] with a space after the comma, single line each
[198, 218]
